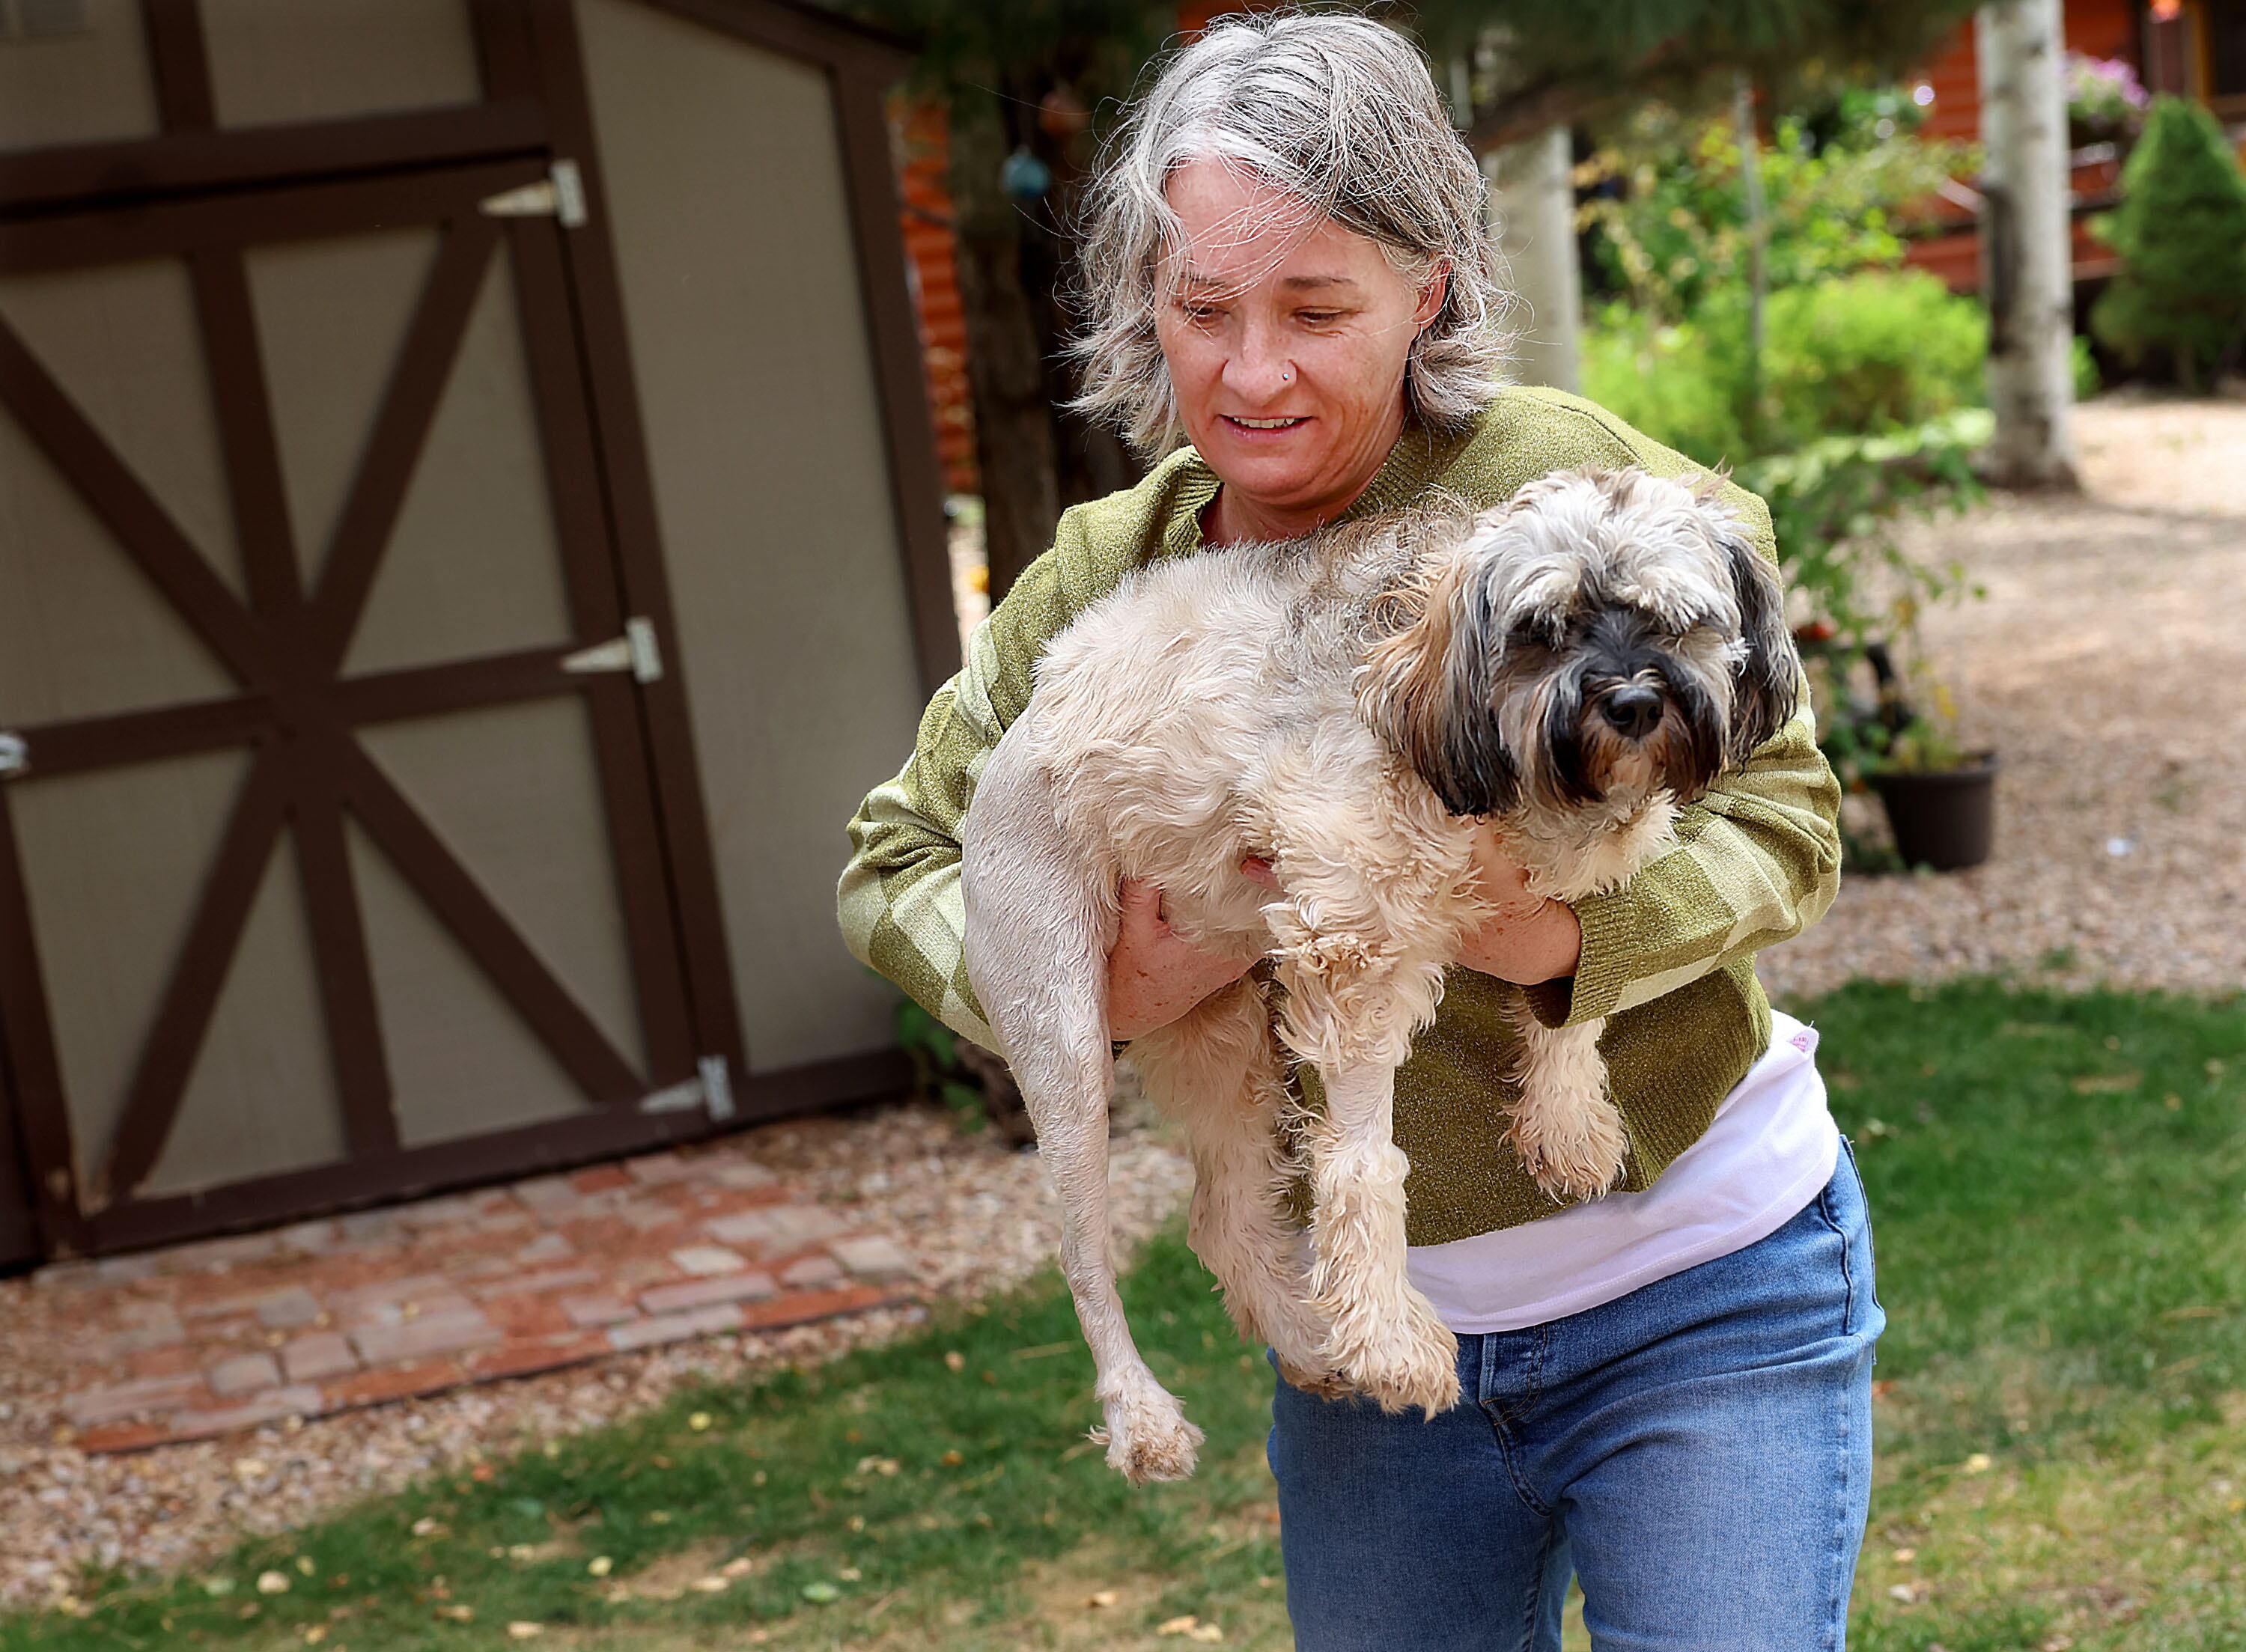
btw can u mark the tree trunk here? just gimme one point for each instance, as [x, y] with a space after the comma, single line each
[1014, 444]
[2026, 249]
[1036, 457]
[1742, 118]
[1532, 196]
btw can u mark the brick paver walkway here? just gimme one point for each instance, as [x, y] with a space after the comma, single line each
[228, 1334]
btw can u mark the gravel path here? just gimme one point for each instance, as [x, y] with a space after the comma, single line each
[2106, 664]
[2107, 667]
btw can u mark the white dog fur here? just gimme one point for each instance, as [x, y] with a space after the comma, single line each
[1357, 708]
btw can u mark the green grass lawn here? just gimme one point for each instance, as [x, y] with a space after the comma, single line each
[2059, 1191]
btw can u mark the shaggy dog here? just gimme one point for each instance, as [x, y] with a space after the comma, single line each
[1357, 708]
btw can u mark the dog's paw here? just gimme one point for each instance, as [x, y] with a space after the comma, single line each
[1148, 1438]
[1573, 1152]
[1323, 1384]
[1408, 1358]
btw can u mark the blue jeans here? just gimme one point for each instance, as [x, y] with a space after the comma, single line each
[1700, 1452]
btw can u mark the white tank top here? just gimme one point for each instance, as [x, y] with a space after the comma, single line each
[1773, 1146]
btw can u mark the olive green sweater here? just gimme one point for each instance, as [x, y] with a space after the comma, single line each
[1668, 959]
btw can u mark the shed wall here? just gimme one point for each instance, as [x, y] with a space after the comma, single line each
[746, 320]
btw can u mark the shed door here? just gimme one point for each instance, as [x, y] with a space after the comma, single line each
[328, 856]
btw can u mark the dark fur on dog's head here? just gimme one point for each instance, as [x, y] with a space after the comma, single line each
[1604, 636]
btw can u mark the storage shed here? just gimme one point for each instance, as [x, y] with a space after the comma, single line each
[469, 527]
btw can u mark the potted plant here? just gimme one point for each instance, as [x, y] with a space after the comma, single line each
[1940, 796]
[1838, 505]
[2105, 101]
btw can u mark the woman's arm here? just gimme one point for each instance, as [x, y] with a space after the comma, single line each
[901, 906]
[1758, 860]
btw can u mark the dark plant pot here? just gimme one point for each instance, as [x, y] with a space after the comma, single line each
[1944, 818]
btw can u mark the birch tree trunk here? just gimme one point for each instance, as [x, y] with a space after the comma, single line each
[1532, 197]
[2026, 251]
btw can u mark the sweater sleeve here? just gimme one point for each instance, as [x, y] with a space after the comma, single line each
[901, 908]
[1757, 861]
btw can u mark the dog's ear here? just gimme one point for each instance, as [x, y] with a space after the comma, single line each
[1766, 682]
[1428, 686]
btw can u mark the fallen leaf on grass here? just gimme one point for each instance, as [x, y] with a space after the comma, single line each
[457, 1613]
[600, 1566]
[699, 1421]
[273, 1583]
[955, 1361]
[1105, 1597]
[428, 1526]
[1979, 1463]
[712, 1585]
[740, 1567]
[822, 1593]
[316, 1634]
[523, 1631]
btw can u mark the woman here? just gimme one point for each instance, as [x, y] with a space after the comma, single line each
[1668, 1390]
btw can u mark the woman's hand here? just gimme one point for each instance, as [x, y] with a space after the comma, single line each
[1528, 939]
[1154, 975]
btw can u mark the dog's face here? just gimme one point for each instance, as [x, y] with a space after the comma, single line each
[1601, 637]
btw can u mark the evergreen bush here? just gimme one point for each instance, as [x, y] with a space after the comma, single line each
[2180, 295]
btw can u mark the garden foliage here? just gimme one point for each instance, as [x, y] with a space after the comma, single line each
[2180, 296]
[1863, 406]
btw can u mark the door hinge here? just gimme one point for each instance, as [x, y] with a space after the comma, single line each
[718, 1087]
[712, 1088]
[636, 651]
[14, 755]
[561, 195]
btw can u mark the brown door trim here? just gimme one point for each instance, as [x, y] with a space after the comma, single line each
[612, 401]
[297, 715]
[900, 380]
[410, 1172]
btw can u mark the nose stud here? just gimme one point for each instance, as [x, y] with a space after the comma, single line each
[1287, 378]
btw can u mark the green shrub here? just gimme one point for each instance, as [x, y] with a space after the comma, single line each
[1878, 350]
[2180, 295]
[1680, 383]
[1854, 356]
[1671, 215]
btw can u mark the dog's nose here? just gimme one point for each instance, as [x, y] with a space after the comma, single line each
[1633, 708]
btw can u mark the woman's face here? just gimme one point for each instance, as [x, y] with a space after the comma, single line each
[1286, 337]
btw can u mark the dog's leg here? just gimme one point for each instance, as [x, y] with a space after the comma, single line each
[1359, 961]
[1038, 929]
[1386, 1340]
[1567, 1127]
[1216, 1070]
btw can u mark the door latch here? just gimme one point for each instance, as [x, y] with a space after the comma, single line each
[561, 195]
[636, 651]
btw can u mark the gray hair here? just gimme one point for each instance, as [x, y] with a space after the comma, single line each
[1337, 111]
